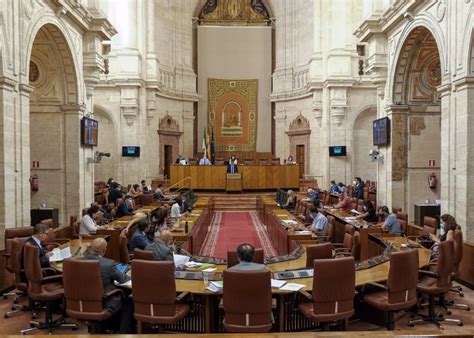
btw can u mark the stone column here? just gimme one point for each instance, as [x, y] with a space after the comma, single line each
[281, 142]
[188, 130]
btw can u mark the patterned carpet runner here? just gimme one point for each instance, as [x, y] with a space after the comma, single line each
[231, 228]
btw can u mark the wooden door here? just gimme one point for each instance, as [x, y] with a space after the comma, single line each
[300, 158]
[168, 159]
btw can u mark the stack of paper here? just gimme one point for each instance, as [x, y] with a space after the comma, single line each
[289, 221]
[60, 254]
[292, 287]
[277, 283]
[180, 259]
[356, 212]
[191, 264]
[216, 286]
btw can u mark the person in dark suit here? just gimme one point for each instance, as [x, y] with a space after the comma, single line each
[359, 189]
[139, 238]
[40, 233]
[114, 193]
[120, 306]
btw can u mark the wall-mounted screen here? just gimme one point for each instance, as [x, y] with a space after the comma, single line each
[381, 131]
[89, 132]
[337, 151]
[131, 151]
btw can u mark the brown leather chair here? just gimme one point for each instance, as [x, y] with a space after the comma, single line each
[75, 228]
[333, 291]
[159, 306]
[354, 248]
[233, 258]
[84, 211]
[48, 222]
[437, 283]
[219, 161]
[458, 253]
[276, 161]
[193, 161]
[247, 301]
[400, 291]
[346, 245]
[143, 254]
[396, 210]
[146, 199]
[319, 251]
[123, 247]
[84, 292]
[248, 161]
[42, 289]
[263, 161]
[431, 222]
[20, 282]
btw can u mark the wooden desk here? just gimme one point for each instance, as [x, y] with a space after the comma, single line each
[234, 182]
[254, 177]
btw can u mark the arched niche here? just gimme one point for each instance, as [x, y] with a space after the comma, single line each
[169, 136]
[362, 143]
[298, 138]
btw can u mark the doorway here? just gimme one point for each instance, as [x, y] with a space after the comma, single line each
[168, 160]
[300, 158]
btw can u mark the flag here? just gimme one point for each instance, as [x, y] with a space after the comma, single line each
[213, 147]
[204, 145]
[208, 149]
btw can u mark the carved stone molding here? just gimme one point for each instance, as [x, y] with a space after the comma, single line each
[338, 113]
[299, 126]
[169, 126]
[150, 105]
[317, 111]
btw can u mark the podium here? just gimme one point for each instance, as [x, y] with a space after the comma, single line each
[234, 183]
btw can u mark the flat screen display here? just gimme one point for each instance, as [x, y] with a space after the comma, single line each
[89, 132]
[131, 151]
[337, 151]
[381, 131]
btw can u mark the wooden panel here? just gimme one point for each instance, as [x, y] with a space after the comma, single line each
[174, 177]
[207, 176]
[466, 268]
[295, 176]
[194, 176]
[255, 178]
[219, 176]
[246, 177]
[268, 177]
[261, 177]
[275, 176]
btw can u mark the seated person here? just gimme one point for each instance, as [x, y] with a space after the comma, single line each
[178, 159]
[369, 214]
[88, 222]
[114, 193]
[341, 188]
[313, 195]
[139, 238]
[144, 187]
[344, 202]
[176, 208]
[246, 252]
[123, 208]
[110, 274]
[320, 222]
[232, 166]
[159, 194]
[40, 234]
[161, 246]
[204, 160]
[333, 189]
[447, 226]
[290, 200]
[134, 190]
[391, 223]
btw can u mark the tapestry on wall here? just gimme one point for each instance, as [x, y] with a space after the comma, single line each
[233, 113]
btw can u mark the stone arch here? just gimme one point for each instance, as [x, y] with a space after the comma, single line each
[66, 44]
[467, 48]
[201, 3]
[169, 136]
[109, 141]
[362, 143]
[298, 133]
[427, 22]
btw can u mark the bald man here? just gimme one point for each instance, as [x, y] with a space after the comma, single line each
[160, 246]
[246, 252]
[109, 274]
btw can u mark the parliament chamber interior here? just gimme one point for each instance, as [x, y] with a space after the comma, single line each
[229, 167]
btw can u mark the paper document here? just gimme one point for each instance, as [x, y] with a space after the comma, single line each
[60, 254]
[350, 218]
[304, 232]
[289, 221]
[191, 264]
[215, 286]
[292, 287]
[180, 259]
[356, 212]
[209, 270]
[277, 283]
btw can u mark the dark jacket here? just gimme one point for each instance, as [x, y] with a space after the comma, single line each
[44, 260]
[123, 210]
[114, 194]
[359, 191]
[139, 240]
[109, 273]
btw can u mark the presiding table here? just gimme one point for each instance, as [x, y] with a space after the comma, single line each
[253, 177]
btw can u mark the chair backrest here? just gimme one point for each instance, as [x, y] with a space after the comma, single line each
[428, 230]
[247, 301]
[355, 251]
[123, 247]
[275, 160]
[458, 250]
[219, 161]
[83, 291]
[403, 263]
[159, 277]
[430, 221]
[396, 210]
[146, 199]
[84, 211]
[402, 216]
[348, 240]
[75, 228]
[331, 227]
[403, 226]
[319, 251]
[233, 258]
[33, 270]
[333, 286]
[263, 161]
[248, 161]
[143, 254]
[193, 161]
[10, 234]
[17, 245]
[48, 222]
[444, 267]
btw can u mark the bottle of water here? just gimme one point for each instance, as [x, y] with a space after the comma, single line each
[186, 227]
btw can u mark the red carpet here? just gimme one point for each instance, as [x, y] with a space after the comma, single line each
[231, 228]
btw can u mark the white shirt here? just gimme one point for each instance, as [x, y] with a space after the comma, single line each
[87, 225]
[175, 210]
